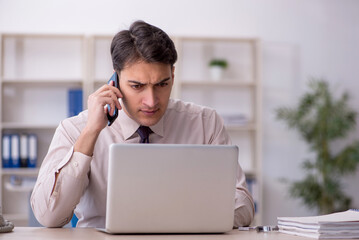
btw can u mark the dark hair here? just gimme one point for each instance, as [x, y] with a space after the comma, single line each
[142, 42]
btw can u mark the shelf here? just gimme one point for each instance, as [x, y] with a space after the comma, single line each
[40, 35]
[16, 217]
[48, 82]
[20, 171]
[246, 127]
[217, 39]
[224, 83]
[14, 188]
[44, 126]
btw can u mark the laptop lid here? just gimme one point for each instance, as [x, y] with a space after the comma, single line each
[165, 188]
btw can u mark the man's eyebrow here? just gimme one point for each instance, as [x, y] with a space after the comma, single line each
[135, 82]
[139, 83]
[164, 80]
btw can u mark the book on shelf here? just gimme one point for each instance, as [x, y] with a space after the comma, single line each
[32, 157]
[344, 225]
[20, 183]
[19, 150]
[24, 150]
[74, 102]
[15, 151]
[5, 155]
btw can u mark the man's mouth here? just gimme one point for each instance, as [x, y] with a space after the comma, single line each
[149, 112]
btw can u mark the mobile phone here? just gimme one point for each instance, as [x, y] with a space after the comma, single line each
[112, 118]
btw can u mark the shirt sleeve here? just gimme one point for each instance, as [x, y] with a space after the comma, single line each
[244, 204]
[53, 202]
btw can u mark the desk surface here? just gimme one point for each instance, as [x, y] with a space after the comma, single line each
[20, 233]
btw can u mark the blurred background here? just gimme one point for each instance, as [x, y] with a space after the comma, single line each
[298, 40]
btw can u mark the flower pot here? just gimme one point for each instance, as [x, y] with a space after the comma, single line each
[216, 73]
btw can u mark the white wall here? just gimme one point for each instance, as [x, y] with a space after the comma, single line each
[301, 39]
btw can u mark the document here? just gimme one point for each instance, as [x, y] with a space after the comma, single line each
[336, 225]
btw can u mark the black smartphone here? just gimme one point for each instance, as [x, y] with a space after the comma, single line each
[112, 118]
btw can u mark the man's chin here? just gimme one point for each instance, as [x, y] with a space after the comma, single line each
[148, 122]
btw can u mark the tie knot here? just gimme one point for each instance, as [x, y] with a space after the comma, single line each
[144, 133]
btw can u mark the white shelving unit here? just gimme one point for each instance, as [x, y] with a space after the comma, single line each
[37, 71]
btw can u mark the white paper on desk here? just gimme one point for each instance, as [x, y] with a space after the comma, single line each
[325, 226]
[340, 217]
[336, 225]
[319, 235]
[321, 231]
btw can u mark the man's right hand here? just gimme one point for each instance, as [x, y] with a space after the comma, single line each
[97, 102]
[97, 116]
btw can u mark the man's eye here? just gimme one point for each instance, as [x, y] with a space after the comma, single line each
[136, 86]
[163, 84]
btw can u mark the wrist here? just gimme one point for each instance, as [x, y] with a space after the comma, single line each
[91, 131]
[86, 141]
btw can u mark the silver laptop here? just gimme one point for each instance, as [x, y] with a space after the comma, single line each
[165, 188]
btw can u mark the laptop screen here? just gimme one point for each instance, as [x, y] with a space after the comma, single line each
[165, 188]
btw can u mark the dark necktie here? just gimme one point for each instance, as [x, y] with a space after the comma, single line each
[144, 133]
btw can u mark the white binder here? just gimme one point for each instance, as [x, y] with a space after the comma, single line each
[32, 150]
[15, 151]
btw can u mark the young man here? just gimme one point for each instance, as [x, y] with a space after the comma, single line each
[74, 171]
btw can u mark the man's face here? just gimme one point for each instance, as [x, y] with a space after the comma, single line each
[146, 89]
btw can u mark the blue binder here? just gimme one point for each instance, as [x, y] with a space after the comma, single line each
[24, 150]
[6, 150]
[32, 141]
[74, 102]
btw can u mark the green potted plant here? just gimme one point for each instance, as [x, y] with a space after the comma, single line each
[321, 119]
[217, 67]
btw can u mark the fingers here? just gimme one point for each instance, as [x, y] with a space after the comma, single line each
[118, 95]
[110, 87]
[112, 100]
[113, 104]
[108, 94]
[115, 89]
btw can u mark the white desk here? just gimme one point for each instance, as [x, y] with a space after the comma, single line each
[20, 233]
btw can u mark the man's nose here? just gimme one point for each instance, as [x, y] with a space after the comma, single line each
[150, 99]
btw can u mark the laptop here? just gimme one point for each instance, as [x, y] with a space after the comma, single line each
[167, 188]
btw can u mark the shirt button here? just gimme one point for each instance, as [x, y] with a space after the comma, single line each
[75, 164]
